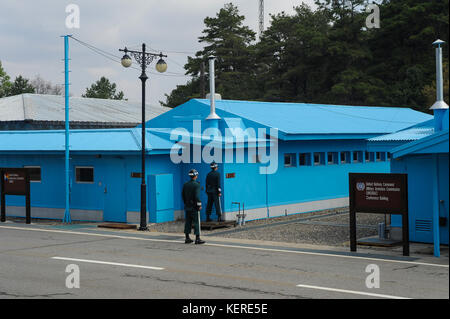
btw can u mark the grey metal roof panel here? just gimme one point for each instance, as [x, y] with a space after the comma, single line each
[39, 107]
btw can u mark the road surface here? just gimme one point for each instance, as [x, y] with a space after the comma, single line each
[125, 264]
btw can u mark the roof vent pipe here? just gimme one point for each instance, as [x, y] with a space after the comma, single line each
[212, 96]
[439, 107]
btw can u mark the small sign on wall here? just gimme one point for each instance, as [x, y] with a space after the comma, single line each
[231, 175]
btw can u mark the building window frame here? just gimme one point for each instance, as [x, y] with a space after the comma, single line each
[31, 176]
[306, 159]
[321, 158]
[378, 157]
[77, 175]
[346, 159]
[334, 158]
[292, 160]
[357, 157]
[368, 156]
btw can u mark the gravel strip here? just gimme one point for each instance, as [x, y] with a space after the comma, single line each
[327, 227]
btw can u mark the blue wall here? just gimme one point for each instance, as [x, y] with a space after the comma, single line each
[112, 172]
[114, 187]
[297, 183]
[420, 170]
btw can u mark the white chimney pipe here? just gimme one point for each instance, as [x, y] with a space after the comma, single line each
[440, 103]
[212, 88]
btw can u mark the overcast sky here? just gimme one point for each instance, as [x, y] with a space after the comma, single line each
[30, 42]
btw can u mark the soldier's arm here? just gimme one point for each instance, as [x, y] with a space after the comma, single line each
[183, 194]
[219, 190]
[197, 197]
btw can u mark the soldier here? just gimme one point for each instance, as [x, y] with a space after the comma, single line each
[214, 192]
[192, 206]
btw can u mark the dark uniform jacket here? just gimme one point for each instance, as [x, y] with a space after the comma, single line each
[213, 182]
[191, 195]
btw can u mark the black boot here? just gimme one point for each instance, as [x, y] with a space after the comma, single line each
[198, 241]
[188, 240]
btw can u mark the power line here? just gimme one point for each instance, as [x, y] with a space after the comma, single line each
[116, 58]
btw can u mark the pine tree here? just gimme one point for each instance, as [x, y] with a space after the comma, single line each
[103, 89]
[5, 83]
[21, 85]
[226, 38]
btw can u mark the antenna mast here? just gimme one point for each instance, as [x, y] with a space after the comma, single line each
[261, 17]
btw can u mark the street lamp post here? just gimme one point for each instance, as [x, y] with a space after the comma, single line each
[144, 59]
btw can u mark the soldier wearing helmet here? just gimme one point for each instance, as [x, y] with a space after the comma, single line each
[214, 192]
[192, 207]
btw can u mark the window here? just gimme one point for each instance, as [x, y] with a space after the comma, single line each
[356, 157]
[389, 156]
[319, 159]
[345, 157]
[84, 174]
[332, 158]
[378, 156]
[369, 156]
[34, 172]
[290, 160]
[304, 159]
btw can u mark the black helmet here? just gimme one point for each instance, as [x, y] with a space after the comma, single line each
[193, 173]
[213, 165]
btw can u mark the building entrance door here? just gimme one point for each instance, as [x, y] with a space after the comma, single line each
[114, 185]
[161, 198]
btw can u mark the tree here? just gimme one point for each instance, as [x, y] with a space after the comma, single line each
[403, 57]
[327, 55]
[348, 54]
[42, 86]
[21, 85]
[292, 58]
[103, 89]
[5, 83]
[226, 38]
[429, 91]
[182, 93]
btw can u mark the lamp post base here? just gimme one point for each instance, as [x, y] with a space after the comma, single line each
[143, 223]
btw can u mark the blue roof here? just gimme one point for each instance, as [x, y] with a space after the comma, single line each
[304, 118]
[435, 143]
[413, 133]
[108, 140]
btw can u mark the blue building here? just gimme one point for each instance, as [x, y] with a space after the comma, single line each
[276, 159]
[421, 152]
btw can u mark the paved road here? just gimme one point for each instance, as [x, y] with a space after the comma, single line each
[121, 264]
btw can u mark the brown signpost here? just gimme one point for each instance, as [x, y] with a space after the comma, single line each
[379, 194]
[15, 181]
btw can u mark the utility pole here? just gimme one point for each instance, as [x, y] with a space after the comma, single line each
[67, 218]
